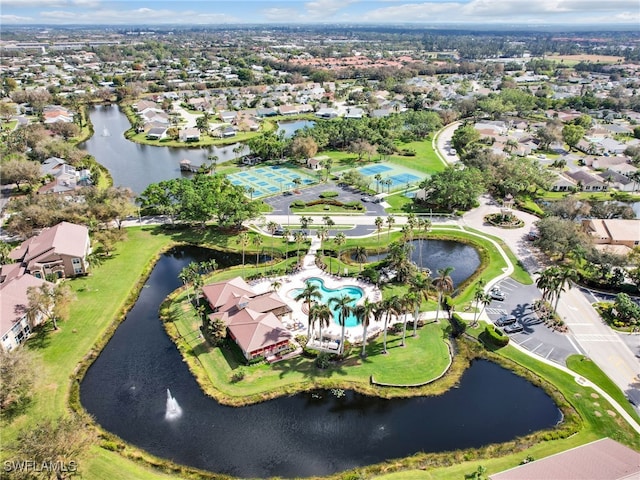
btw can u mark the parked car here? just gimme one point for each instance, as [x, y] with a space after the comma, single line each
[279, 231]
[497, 294]
[515, 328]
[506, 320]
[365, 199]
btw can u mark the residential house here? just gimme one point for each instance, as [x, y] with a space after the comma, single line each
[354, 112]
[587, 182]
[15, 323]
[252, 320]
[200, 104]
[327, 112]
[227, 116]
[612, 146]
[618, 181]
[288, 110]
[613, 231]
[56, 113]
[563, 184]
[190, 135]
[64, 177]
[157, 133]
[61, 251]
[228, 132]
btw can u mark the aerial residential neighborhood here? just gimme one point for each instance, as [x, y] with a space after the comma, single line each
[354, 242]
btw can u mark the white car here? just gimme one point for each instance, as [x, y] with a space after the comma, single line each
[497, 294]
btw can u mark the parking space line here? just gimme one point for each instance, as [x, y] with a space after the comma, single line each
[526, 340]
[547, 355]
[574, 345]
[539, 345]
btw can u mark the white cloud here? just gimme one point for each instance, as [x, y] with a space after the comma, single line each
[326, 8]
[141, 15]
[281, 14]
[536, 11]
[14, 19]
[50, 3]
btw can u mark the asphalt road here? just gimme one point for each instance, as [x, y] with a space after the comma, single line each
[536, 336]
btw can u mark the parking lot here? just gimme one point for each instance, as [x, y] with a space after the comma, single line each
[535, 336]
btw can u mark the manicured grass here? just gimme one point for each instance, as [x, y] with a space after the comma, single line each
[327, 209]
[593, 426]
[427, 353]
[589, 370]
[425, 161]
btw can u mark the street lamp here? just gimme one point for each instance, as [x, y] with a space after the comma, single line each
[288, 220]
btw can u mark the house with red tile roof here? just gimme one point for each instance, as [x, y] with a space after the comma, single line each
[15, 324]
[61, 251]
[252, 320]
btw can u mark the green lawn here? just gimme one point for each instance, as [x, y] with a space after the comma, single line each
[593, 417]
[589, 370]
[425, 161]
[214, 366]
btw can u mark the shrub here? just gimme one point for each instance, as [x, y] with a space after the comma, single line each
[298, 204]
[112, 446]
[238, 374]
[329, 194]
[356, 205]
[408, 152]
[458, 325]
[323, 360]
[497, 337]
[329, 201]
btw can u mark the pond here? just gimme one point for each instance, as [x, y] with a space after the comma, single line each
[134, 165]
[437, 254]
[291, 127]
[307, 434]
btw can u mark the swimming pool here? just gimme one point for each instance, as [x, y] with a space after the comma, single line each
[328, 293]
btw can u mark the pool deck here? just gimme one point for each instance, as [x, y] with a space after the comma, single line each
[297, 320]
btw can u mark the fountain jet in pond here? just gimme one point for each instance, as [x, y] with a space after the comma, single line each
[173, 409]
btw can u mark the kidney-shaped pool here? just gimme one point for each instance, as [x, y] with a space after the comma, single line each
[315, 433]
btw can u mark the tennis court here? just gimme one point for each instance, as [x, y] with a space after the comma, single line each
[399, 176]
[269, 180]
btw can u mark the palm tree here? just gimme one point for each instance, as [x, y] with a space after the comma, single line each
[250, 191]
[243, 240]
[237, 150]
[298, 237]
[271, 228]
[443, 284]
[257, 242]
[214, 162]
[378, 179]
[321, 313]
[275, 285]
[360, 255]
[477, 297]
[390, 221]
[305, 222]
[485, 300]
[343, 305]
[329, 222]
[388, 182]
[297, 182]
[407, 302]
[546, 282]
[390, 306]
[378, 223]
[420, 285]
[339, 240]
[423, 225]
[363, 313]
[563, 278]
[310, 292]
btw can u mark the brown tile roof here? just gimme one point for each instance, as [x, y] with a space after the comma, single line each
[255, 331]
[13, 299]
[63, 239]
[603, 459]
[217, 294]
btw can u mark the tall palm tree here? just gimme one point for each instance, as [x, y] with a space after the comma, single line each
[485, 300]
[378, 223]
[546, 282]
[390, 221]
[390, 306]
[329, 222]
[298, 237]
[443, 284]
[257, 242]
[420, 285]
[214, 162]
[310, 292]
[378, 179]
[423, 225]
[363, 313]
[343, 306]
[477, 296]
[360, 256]
[305, 222]
[243, 240]
[271, 228]
[322, 314]
[407, 302]
[564, 278]
[275, 285]
[339, 240]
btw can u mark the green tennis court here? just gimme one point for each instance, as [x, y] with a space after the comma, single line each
[393, 177]
[270, 179]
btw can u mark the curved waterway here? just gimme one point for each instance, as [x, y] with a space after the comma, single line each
[137, 166]
[301, 435]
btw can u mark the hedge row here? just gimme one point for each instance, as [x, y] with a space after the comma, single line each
[497, 337]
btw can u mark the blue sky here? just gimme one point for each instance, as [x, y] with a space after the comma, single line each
[213, 12]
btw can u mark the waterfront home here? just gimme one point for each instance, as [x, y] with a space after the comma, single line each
[60, 251]
[252, 320]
